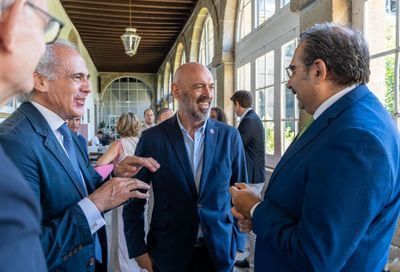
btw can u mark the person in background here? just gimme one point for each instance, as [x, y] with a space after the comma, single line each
[332, 202]
[72, 195]
[164, 114]
[25, 26]
[192, 228]
[148, 119]
[218, 114]
[128, 128]
[252, 133]
[74, 125]
[96, 140]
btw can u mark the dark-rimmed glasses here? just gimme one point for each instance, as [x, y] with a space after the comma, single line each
[53, 26]
[290, 70]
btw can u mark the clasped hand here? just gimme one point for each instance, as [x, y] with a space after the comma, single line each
[243, 199]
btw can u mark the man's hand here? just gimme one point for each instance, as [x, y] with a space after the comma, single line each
[116, 191]
[129, 166]
[243, 199]
[144, 262]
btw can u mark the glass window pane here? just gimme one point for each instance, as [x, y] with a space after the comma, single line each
[265, 70]
[382, 80]
[381, 25]
[284, 2]
[289, 110]
[269, 138]
[265, 9]
[243, 77]
[260, 104]
[244, 21]
[287, 55]
[289, 131]
[269, 103]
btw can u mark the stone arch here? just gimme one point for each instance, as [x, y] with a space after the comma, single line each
[180, 49]
[196, 35]
[166, 83]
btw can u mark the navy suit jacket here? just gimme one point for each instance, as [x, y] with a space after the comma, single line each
[253, 136]
[178, 207]
[20, 248]
[333, 200]
[31, 144]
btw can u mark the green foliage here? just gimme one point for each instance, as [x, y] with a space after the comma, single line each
[389, 82]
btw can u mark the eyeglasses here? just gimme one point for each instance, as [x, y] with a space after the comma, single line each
[290, 70]
[53, 26]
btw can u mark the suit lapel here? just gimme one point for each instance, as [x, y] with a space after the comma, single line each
[318, 126]
[80, 153]
[177, 143]
[41, 126]
[210, 140]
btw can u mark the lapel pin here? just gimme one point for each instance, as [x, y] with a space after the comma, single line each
[212, 131]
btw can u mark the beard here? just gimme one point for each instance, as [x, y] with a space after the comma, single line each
[196, 113]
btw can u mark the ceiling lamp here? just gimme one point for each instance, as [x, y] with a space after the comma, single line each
[130, 39]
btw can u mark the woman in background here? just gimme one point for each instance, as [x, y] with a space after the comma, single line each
[128, 128]
[218, 114]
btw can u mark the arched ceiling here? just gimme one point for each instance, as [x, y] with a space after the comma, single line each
[100, 24]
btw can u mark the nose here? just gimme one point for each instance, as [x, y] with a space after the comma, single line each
[208, 91]
[86, 86]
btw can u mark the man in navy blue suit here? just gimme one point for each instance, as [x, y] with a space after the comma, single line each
[192, 228]
[332, 202]
[72, 195]
[22, 27]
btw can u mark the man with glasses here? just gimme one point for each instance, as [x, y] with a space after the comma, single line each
[72, 196]
[24, 28]
[333, 200]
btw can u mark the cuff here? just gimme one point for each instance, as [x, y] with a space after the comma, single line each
[93, 216]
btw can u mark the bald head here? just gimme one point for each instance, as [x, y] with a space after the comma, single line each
[190, 69]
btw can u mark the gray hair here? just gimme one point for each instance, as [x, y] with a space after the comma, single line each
[48, 64]
[343, 49]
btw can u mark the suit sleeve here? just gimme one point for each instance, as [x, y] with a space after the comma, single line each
[133, 213]
[66, 231]
[239, 174]
[348, 183]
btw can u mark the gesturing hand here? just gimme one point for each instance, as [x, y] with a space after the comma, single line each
[116, 191]
[243, 199]
[129, 166]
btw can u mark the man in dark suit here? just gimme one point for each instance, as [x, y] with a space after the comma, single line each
[21, 31]
[71, 194]
[192, 228]
[252, 133]
[332, 202]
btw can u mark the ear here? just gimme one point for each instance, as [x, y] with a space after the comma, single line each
[8, 26]
[40, 83]
[175, 90]
[320, 70]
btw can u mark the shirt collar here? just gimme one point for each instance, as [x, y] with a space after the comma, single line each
[54, 121]
[245, 112]
[201, 129]
[331, 100]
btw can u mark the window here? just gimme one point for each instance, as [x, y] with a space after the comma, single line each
[183, 59]
[265, 98]
[244, 19]
[290, 111]
[126, 94]
[381, 25]
[264, 10]
[206, 53]
[243, 79]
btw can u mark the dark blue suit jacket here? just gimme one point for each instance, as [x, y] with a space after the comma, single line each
[178, 207]
[253, 136]
[333, 200]
[31, 144]
[20, 248]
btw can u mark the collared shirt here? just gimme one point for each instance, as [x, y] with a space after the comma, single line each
[244, 113]
[195, 150]
[92, 214]
[323, 107]
[331, 100]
